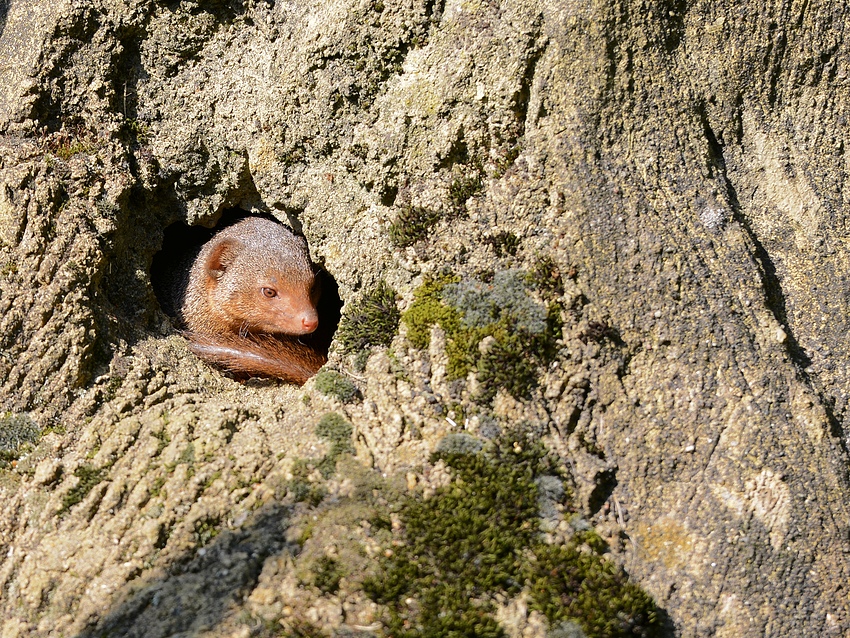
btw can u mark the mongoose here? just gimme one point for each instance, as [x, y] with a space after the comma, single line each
[251, 293]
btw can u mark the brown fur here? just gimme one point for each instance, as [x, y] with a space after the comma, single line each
[252, 292]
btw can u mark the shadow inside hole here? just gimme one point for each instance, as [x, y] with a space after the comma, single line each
[180, 247]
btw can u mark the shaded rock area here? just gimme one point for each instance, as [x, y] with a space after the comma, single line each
[594, 272]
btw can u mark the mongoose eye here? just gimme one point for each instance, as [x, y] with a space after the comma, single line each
[269, 292]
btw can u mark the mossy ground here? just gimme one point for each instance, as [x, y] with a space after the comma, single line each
[477, 538]
[90, 476]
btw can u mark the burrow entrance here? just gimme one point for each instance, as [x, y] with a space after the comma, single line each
[181, 245]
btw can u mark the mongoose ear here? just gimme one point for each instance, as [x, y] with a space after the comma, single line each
[221, 257]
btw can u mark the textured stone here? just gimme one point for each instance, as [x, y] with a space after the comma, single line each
[682, 166]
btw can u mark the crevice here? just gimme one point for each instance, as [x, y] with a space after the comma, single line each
[522, 97]
[770, 282]
[606, 483]
[773, 60]
[4, 11]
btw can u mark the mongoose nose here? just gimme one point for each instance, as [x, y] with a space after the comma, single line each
[309, 323]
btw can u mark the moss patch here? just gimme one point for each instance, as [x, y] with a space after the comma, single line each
[570, 583]
[477, 537]
[337, 431]
[495, 329]
[90, 476]
[301, 489]
[504, 243]
[412, 224]
[327, 575]
[18, 434]
[332, 383]
[463, 188]
[371, 321]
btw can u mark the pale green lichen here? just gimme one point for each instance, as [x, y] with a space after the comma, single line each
[495, 329]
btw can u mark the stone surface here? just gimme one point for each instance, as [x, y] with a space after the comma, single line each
[681, 164]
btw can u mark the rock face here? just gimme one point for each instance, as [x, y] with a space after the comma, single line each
[614, 227]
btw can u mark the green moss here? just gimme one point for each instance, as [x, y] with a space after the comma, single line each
[545, 276]
[300, 488]
[337, 431]
[412, 224]
[371, 321]
[212, 478]
[139, 131]
[520, 332]
[504, 243]
[512, 360]
[332, 383]
[428, 310]
[156, 486]
[477, 537]
[187, 456]
[18, 434]
[305, 492]
[463, 188]
[90, 476]
[458, 443]
[68, 149]
[327, 575]
[205, 530]
[69, 142]
[162, 440]
[572, 583]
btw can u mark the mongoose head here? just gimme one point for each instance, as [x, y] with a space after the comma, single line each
[260, 279]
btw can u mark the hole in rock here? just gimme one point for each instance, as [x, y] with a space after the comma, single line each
[181, 245]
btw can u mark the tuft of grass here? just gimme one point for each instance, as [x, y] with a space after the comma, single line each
[337, 431]
[332, 383]
[476, 537]
[371, 321]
